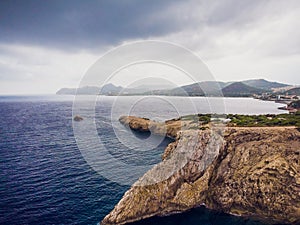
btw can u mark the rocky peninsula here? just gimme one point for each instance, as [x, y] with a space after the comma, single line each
[246, 171]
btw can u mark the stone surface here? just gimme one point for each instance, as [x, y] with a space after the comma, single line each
[77, 118]
[247, 171]
[168, 128]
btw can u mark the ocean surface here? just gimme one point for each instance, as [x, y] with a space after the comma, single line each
[46, 177]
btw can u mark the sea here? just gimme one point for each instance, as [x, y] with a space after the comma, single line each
[47, 175]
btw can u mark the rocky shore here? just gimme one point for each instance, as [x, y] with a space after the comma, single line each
[252, 172]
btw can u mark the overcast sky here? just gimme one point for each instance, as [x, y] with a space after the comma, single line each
[46, 45]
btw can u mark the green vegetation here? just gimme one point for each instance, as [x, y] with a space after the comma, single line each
[198, 118]
[246, 120]
[265, 120]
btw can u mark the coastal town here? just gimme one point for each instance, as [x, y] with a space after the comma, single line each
[289, 97]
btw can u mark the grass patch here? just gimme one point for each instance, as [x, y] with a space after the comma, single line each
[197, 118]
[264, 120]
[267, 120]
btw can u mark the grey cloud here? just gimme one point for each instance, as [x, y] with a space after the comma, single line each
[269, 28]
[81, 24]
[93, 24]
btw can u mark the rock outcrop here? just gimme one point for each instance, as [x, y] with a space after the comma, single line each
[168, 128]
[251, 172]
[77, 118]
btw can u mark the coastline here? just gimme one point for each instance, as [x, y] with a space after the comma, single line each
[203, 186]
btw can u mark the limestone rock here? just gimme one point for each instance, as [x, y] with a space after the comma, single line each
[251, 172]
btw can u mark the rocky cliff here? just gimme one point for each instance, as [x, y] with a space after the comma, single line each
[243, 171]
[169, 128]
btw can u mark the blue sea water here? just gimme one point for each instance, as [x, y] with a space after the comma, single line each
[44, 178]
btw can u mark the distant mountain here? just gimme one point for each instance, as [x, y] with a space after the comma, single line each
[152, 87]
[108, 89]
[88, 90]
[240, 89]
[66, 91]
[213, 88]
[205, 88]
[143, 89]
[264, 84]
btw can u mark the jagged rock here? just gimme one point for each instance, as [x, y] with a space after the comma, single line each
[247, 171]
[257, 174]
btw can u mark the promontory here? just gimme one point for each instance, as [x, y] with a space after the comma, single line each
[251, 171]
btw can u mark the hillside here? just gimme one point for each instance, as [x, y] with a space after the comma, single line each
[264, 84]
[239, 89]
[108, 89]
[293, 91]
[205, 88]
[230, 89]
[88, 90]
[66, 91]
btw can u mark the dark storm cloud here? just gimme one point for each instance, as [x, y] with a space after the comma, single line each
[92, 25]
[57, 40]
[81, 24]
[78, 24]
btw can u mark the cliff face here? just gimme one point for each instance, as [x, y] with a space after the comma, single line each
[247, 171]
[257, 174]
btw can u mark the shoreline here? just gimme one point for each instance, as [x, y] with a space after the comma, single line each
[255, 154]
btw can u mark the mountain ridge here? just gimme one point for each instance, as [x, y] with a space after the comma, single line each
[245, 88]
[240, 89]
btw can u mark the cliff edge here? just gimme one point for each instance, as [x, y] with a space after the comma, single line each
[247, 171]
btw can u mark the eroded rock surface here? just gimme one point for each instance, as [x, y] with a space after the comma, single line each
[168, 128]
[247, 171]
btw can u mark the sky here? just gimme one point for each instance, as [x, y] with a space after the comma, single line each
[50, 44]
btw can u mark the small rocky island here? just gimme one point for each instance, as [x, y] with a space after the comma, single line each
[250, 171]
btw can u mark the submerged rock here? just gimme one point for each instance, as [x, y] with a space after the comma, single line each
[251, 172]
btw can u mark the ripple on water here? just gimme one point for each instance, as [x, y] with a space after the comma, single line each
[45, 180]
